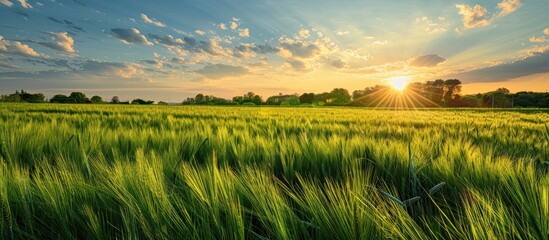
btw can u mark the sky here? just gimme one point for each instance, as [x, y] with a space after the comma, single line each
[169, 50]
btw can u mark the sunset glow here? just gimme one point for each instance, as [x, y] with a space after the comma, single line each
[399, 83]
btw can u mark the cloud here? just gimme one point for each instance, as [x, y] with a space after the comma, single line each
[245, 50]
[234, 25]
[430, 60]
[152, 21]
[177, 60]
[298, 65]
[55, 20]
[339, 64]
[98, 68]
[62, 42]
[129, 36]
[473, 16]
[218, 71]
[8, 66]
[6, 3]
[167, 40]
[537, 63]
[297, 48]
[342, 33]
[18, 48]
[210, 46]
[432, 26]
[244, 32]
[24, 4]
[546, 31]
[537, 39]
[304, 33]
[200, 32]
[508, 6]
[381, 43]
[222, 26]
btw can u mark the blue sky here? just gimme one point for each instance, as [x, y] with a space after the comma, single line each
[169, 50]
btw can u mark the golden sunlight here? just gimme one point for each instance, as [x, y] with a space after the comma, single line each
[399, 83]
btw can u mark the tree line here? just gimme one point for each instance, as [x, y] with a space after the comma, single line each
[74, 97]
[437, 93]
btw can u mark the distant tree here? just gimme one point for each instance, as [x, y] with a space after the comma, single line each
[162, 103]
[23, 97]
[12, 98]
[199, 99]
[452, 89]
[78, 97]
[141, 101]
[294, 100]
[321, 98]
[307, 98]
[339, 96]
[115, 100]
[59, 98]
[96, 99]
[248, 97]
[502, 91]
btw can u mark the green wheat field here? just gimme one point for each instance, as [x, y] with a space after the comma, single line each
[185, 172]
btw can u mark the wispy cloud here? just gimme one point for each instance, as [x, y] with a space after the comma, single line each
[429, 25]
[537, 39]
[152, 21]
[6, 3]
[218, 71]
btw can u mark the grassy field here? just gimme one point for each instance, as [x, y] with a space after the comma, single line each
[173, 172]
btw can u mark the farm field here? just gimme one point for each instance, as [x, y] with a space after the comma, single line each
[196, 172]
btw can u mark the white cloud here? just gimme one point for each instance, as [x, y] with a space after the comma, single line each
[24, 4]
[473, 17]
[304, 33]
[223, 26]
[546, 31]
[432, 26]
[234, 25]
[152, 21]
[508, 6]
[341, 33]
[535, 39]
[244, 32]
[62, 42]
[200, 32]
[381, 43]
[6, 3]
[18, 48]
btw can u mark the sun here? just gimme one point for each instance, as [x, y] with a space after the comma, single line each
[399, 83]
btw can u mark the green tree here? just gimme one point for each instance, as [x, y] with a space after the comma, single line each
[339, 96]
[96, 99]
[115, 100]
[307, 98]
[78, 97]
